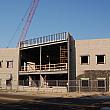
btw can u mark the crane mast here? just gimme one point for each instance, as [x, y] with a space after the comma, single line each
[31, 13]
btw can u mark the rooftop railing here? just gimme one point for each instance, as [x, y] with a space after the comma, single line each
[44, 39]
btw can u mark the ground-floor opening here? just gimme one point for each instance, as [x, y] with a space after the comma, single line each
[43, 80]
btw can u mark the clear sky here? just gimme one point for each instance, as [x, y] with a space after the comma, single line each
[84, 19]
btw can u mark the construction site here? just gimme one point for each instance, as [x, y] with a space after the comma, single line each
[55, 63]
[44, 60]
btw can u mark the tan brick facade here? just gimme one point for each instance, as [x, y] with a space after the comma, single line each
[92, 48]
[9, 58]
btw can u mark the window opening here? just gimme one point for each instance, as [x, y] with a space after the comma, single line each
[101, 82]
[85, 82]
[100, 59]
[84, 60]
[9, 64]
[1, 64]
[8, 82]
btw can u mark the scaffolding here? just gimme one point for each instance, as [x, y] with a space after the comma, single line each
[63, 54]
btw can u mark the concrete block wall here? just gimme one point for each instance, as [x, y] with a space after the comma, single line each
[92, 48]
[9, 54]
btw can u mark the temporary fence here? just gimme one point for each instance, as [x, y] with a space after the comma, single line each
[73, 85]
[63, 85]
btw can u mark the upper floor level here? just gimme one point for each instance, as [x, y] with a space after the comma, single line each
[9, 58]
[45, 40]
[93, 54]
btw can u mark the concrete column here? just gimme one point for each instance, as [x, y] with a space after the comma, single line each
[41, 81]
[30, 81]
[25, 66]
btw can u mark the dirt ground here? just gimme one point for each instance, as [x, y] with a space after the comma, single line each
[58, 101]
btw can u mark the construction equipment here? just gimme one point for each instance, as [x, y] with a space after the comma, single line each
[31, 13]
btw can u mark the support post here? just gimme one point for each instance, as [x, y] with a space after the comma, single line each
[79, 86]
[68, 46]
[40, 65]
[30, 81]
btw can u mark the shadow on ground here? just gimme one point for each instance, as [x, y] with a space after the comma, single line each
[56, 103]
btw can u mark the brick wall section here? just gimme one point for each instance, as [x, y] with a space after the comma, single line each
[92, 48]
[9, 54]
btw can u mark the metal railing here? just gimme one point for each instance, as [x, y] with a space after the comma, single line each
[47, 67]
[44, 39]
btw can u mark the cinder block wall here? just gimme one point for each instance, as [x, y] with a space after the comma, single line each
[9, 54]
[92, 48]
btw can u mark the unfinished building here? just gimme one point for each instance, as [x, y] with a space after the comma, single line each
[45, 59]
[57, 61]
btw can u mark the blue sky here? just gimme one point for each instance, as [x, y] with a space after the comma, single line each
[84, 19]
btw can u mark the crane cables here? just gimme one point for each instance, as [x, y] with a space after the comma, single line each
[19, 25]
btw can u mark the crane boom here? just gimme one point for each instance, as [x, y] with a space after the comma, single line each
[28, 21]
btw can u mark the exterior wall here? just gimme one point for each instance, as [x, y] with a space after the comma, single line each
[72, 59]
[92, 48]
[76, 48]
[9, 54]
